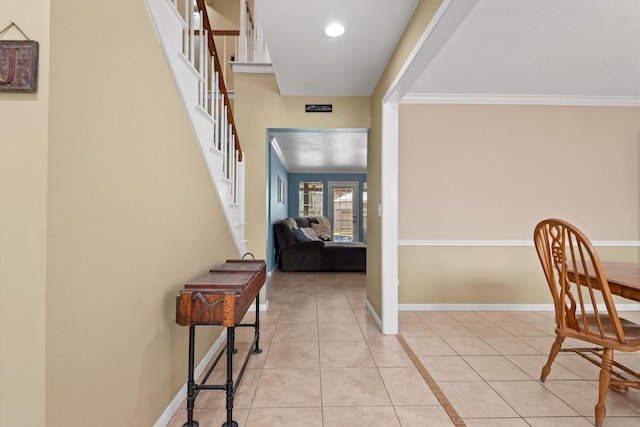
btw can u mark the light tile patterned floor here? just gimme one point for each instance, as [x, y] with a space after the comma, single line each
[325, 363]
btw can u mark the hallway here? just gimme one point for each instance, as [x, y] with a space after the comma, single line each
[325, 363]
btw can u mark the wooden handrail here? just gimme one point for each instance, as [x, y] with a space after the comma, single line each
[249, 14]
[226, 32]
[223, 88]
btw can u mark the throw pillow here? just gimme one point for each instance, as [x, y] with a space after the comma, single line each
[299, 235]
[325, 221]
[309, 233]
[322, 231]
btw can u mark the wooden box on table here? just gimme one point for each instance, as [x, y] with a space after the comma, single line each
[221, 297]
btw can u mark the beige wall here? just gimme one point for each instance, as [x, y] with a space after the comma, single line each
[258, 107]
[489, 174]
[224, 14]
[481, 172]
[23, 228]
[132, 216]
[480, 275]
[424, 12]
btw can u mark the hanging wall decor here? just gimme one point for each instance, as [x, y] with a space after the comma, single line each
[18, 63]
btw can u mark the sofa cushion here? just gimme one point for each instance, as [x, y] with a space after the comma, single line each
[290, 222]
[344, 256]
[309, 233]
[305, 234]
[299, 235]
[303, 222]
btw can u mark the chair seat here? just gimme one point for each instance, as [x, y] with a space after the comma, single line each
[631, 332]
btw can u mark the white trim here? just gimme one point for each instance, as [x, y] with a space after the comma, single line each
[389, 218]
[444, 23]
[499, 307]
[192, 68]
[373, 314]
[494, 243]
[173, 406]
[509, 99]
[251, 67]
[276, 148]
[204, 113]
[263, 307]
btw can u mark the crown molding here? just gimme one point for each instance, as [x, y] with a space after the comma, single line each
[488, 99]
[278, 151]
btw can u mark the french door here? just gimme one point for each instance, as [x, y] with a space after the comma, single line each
[344, 202]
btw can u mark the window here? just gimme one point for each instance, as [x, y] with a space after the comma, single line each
[310, 199]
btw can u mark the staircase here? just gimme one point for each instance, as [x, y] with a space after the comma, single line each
[182, 26]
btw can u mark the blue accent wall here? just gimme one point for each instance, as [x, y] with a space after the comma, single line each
[276, 210]
[296, 178]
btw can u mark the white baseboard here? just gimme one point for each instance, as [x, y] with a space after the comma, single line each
[373, 314]
[497, 307]
[263, 307]
[173, 406]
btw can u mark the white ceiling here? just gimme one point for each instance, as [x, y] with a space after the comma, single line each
[307, 62]
[322, 151]
[544, 48]
[580, 52]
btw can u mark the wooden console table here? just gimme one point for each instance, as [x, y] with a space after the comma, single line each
[221, 297]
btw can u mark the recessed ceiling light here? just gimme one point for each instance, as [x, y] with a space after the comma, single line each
[334, 30]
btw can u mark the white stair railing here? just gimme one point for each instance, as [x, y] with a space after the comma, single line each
[251, 44]
[185, 34]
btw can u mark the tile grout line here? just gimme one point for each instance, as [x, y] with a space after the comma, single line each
[446, 405]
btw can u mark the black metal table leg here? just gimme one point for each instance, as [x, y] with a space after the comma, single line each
[231, 335]
[256, 326]
[191, 385]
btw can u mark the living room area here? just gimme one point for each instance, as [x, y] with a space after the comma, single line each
[317, 199]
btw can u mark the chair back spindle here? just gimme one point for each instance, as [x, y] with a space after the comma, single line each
[583, 301]
[584, 308]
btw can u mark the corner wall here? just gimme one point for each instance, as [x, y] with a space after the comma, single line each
[423, 14]
[23, 227]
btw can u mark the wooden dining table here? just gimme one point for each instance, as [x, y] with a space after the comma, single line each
[623, 278]
[624, 281]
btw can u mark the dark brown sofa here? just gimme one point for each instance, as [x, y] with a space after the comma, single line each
[295, 252]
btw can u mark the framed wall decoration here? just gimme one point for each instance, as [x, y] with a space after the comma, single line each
[18, 64]
[280, 189]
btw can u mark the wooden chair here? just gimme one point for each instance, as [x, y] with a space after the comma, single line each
[584, 307]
